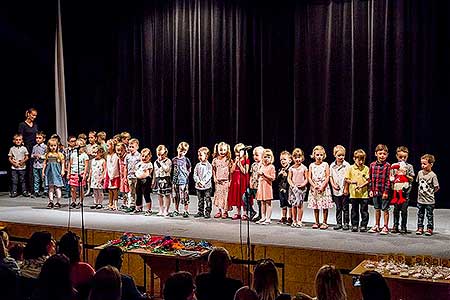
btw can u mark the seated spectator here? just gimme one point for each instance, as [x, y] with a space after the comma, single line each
[207, 284]
[245, 293]
[374, 286]
[39, 247]
[8, 283]
[265, 281]
[81, 273]
[329, 284]
[54, 280]
[106, 284]
[16, 252]
[180, 286]
[112, 256]
[6, 260]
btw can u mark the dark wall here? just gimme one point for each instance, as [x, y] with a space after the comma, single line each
[281, 74]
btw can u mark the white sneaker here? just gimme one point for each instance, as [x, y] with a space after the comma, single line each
[261, 221]
[267, 222]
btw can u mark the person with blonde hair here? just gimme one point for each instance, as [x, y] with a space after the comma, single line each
[239, 181]
[202, 178]
[162, 182]
[180, 180]
[221, 175]
[265, 193]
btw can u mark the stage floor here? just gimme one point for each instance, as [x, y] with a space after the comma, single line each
[34, 211]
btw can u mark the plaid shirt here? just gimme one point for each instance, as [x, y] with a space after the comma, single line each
[379, 178]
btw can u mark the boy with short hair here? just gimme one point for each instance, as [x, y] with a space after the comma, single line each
[18, 156]
[131, 160]
[253, 185]
[357, 178]
[379, 185]
[283, 187]
[181, 166]
[38, 155]
[202, 178]
[338, 169]
[402, 156]
[428, 186]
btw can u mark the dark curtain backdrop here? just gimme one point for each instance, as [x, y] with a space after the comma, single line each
[276, 73]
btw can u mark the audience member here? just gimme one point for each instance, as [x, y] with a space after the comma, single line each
[106, 284]
[207, 284]
[5, 259]
[373, 286]
[265, 281]
[180, 286]
[16, 252]
[39, 247]
[329, 284]
[81, 273]
[245, 293]
[112, 256]
[54, 280]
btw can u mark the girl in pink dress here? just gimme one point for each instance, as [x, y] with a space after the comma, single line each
[265, 193]
[124, 188]
[112, 178]
[298, 180]
[239, 181]
[221, 174]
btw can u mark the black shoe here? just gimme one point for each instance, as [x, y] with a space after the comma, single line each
[337, 227]
[33, 195]
[26, 194]
[197, 215]
[13, 195]
[79, 205]
[57, 205]
[130, 209]
[256, 219]
[185, 214]
[404, 230]
[72, 205]
[98, 206]
[363, 229]
[93, 206]
[207, 216]
[50, 205]
[395, 229]
[355, 229]
[345, 227]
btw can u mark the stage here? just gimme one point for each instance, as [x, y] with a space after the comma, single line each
[34, 211]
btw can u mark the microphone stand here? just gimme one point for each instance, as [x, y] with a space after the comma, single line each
[247, 207]
[80, 187]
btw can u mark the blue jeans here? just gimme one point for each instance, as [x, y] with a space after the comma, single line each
[18, 177]
[428, 208]
[38, 181]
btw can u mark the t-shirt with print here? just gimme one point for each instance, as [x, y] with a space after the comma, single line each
[427, 185]
[181, 169]
[18, 153]
[141, 167]
[131, 160]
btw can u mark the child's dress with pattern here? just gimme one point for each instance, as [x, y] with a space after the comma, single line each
[53, 175]
[97, 179]
[318, 200]
[222, 170]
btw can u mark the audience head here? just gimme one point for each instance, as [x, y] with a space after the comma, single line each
[265, 280]
[16, 251]
[245, 293]
[373, 286]
[179, 286]
[106, 284]
[54, 280]
[218, 261]
[70, 246]
[40, 244]
[329, 284]
[111, 255]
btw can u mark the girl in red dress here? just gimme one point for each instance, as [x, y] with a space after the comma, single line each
[239, 181]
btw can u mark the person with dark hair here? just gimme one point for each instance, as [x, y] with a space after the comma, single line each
[112, 256]
[39, 247]
[374, 286]
[81, 273]
[28, 130]
[106, 284]
[54, 280]
[216, 279]
[329, 284]
[180, 286]
[265, 281]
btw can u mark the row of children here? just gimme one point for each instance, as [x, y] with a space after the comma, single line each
[237, 183]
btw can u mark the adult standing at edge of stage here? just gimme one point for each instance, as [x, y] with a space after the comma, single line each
[28, 130]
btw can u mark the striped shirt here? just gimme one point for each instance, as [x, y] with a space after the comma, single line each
[379, 178]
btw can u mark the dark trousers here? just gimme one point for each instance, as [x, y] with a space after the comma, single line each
[342, 209]
[204, 197]
[18, 177]
[428, 208]
[403, 210]
[143, 188]
[360, 206]
[249, 193]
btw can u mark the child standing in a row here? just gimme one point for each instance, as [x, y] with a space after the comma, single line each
[180, 180]
[338, 169]
[298, 180]
[162, 180]
[221, 174]
[265, 193]
[239, 181]
[202, 179]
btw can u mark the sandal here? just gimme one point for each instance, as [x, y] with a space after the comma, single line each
[225, 215]
[315, 226]
[324, 226]
[218, 215]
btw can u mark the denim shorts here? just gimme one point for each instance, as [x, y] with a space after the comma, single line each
[380, 203]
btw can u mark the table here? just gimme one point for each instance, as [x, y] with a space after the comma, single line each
[409, 288]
